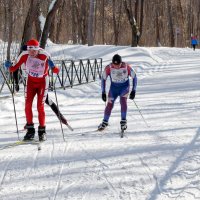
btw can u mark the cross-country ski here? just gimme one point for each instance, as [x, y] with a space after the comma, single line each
[22, 142]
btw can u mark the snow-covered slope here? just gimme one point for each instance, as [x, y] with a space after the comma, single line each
[159, 162]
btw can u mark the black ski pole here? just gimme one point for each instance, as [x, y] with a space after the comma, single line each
[58, 109]
[13, 100]
[141, 114]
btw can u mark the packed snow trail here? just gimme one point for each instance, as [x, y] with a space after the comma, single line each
[160, 162]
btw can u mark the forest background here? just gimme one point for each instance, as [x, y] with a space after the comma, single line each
[113, 22]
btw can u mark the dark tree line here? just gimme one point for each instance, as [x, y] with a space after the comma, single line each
[116, 22]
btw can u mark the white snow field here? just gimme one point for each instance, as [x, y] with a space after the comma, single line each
[159, 162]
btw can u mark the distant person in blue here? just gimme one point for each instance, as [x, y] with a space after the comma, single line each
[194, 42]
[119, 73]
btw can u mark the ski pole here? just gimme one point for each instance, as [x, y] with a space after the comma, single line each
[58, 109]
[13, 100]
[141, 114]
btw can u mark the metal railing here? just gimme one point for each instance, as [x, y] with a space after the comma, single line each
[76, 72]
[71, 73]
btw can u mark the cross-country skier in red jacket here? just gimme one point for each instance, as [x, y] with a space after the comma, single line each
[36, 65]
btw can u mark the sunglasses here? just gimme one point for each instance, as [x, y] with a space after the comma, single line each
[33, 48]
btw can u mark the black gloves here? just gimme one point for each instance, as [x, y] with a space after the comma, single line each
[104, 98]
[132, 95]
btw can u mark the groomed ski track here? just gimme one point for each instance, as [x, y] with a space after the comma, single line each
[160, 162]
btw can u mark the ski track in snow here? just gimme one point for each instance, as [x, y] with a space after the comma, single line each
[4, 172]
[160, 162]
[60, 173]
[100, 174]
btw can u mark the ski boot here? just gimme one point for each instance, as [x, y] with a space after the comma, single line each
[123, 124]
[102, 126]
[30, 132]
[41, 133]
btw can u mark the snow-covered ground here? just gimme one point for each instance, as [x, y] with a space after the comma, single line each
[159, 162]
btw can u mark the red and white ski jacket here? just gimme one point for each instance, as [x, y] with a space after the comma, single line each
[35, 67]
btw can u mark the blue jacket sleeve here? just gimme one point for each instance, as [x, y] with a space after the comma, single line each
[50, 63]
[103, 85]
[103, 80]
[134, 83]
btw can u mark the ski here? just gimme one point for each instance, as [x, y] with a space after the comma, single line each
[22, 142]
[69, 127]
[65, 122]
[96, 132]
[10, 145]
[34, 142]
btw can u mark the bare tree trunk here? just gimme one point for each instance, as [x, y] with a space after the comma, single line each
[190, 31]
[84, 21]
[95, 22]
[139, 34]
[74, 23]
[27, 34]
[171, 30]
[5, 31]
[198, 22]
[181, 24]
[47, 26]
[59, 24]
[136, 10]
[38, 28]
[114, 23]
[90, 38]
[116, 20]
[132, 22]
[52, 29]
[10, 27]
[157, 30]
[103, 22]
[81, 12]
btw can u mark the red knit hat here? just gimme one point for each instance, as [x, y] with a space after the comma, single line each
[33, 44]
